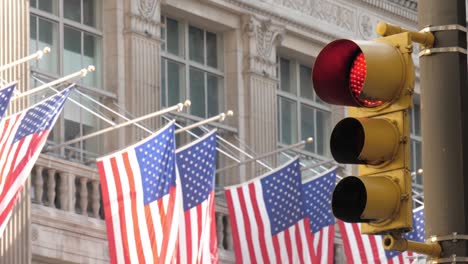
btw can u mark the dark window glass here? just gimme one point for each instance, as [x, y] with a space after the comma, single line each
[197, 92]
[173, 39]
[196, 47]
[211, 49]
[89, 13]
[72, 10]
[72, 40]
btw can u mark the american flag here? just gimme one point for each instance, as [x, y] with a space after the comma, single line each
[142, 199]
[317, 206]
[5, 95]
[197, 229]
[369, 249]
[21, 141]
[267, 219]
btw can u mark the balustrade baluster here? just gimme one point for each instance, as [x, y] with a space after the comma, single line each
[51, 187]
[63, 191]
[84, 195]
[96, 199]
[220, 230]
[38, 184]
[228, 232]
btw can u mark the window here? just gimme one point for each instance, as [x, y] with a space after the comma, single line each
[192, 67]
[75, 38]
[416, 140]
[301, 113]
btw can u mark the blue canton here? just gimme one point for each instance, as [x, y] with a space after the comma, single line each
[156, 158]
[197, 171]
[5, 96]
[317, 201]
[42, 116]
[282, 196]
[417, 234]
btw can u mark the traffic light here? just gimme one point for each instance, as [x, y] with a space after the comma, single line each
[375, 79]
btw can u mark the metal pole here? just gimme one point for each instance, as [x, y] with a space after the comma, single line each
[178, 107]
[294, 146]
[444, 110]
[37, 55]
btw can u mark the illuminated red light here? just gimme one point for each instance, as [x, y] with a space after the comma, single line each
[357, 76]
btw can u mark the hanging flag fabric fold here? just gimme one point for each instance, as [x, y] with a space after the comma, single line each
[142, 199]
[197, 228]
[267, 218]
[317, 195]
[360, 248]
[21, 141]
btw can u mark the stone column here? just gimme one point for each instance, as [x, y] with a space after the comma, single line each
[142, 62]
[15, 244]
[260, 38]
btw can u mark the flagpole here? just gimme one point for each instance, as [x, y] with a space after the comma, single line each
[177, 108]
[311, 166]
[37, 55]
[243, 152]
[196, 136]
[297, 145]
[82, 73]
[79, 104]
[219, 117]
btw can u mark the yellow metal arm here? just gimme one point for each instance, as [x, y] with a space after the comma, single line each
[391, 242]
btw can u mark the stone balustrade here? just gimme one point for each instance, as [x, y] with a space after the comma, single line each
[68, 186]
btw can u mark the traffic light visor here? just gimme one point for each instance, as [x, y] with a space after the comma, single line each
[360, 74]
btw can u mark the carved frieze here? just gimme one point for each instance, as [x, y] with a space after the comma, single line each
[327, 11]
[366, 26]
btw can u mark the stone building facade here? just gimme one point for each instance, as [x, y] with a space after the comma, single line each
[253, 57]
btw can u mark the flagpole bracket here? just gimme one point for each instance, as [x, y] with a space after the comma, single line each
[454, 237]
[396, 242]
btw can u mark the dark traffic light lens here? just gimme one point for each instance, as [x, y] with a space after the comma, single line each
[349, 200]
[347, 141]
[357, 76]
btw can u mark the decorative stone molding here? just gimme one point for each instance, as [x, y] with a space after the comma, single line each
[262, 36]
[327, 11]
[345, 15]
[147, 7]
[403, 8]
[144, 26]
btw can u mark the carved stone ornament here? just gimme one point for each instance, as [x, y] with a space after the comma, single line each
[365, 26]
[34, 234]
[266, 35]
[147, 7]
[327, 11]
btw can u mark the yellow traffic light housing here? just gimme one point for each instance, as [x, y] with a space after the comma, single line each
[376, 80]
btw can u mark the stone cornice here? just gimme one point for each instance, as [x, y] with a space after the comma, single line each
[344, 17]
[249, 8]
[407, 10]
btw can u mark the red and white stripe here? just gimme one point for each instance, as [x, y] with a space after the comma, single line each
[366, 248]
[323, 244]
[16, 162]
[137, 233]
[251, 230]
[197, 234]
